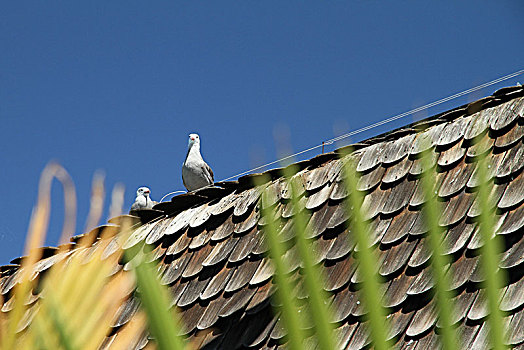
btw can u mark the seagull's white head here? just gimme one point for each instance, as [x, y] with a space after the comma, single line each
[143, 191]
[194, 139]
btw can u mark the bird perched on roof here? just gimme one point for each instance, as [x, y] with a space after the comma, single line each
[142, 200]
[195, 172]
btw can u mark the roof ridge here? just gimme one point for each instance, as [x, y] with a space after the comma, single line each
[498, 97]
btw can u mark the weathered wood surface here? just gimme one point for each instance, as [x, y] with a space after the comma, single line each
[212, 252]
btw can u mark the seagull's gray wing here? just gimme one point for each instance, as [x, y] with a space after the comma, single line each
[135, 206]
[184, 180]
[208, 173]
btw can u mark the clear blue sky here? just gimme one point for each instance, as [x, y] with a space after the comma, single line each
[118, 85]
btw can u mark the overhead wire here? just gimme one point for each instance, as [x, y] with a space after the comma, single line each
[372, 126]
[382, 122]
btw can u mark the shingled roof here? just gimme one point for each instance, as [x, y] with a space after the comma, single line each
[213, 255]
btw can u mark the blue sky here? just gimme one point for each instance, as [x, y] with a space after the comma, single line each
[118, 86]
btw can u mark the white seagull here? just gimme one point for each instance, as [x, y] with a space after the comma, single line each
[142, 200]
[195, 172]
